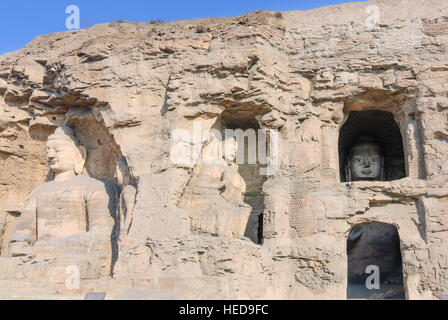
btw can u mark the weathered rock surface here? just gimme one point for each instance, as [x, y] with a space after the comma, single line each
[126, 88]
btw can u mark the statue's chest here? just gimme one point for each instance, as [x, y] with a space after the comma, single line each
[61, 212]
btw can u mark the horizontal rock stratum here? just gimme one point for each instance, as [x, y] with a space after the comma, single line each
[106, 136]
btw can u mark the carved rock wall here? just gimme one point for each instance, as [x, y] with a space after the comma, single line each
[126, 87]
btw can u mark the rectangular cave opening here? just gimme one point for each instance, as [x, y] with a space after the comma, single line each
[374, 268]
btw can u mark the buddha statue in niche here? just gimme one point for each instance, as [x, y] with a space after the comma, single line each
[215, 198]
[365, 161]
[73, 212]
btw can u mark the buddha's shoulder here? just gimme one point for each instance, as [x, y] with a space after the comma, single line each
[81, 181]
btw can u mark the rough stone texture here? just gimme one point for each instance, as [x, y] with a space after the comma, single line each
[126, 87]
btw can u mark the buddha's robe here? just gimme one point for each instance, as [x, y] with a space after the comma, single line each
[78, 212]
[215, 201]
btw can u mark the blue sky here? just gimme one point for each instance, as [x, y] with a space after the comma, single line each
[21, 21]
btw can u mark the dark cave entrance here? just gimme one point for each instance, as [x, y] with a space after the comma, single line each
[374, 262]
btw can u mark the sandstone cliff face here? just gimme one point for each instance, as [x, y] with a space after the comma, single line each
[126, 87]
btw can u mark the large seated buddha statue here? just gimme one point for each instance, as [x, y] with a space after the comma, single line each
[74, 212]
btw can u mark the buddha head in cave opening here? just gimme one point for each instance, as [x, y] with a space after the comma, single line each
[64, 155]
[230, 149]
[365, 161]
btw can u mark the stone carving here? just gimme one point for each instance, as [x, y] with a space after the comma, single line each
[365, 161]
[127, 196]
[383, 126]
[215, 199]
[73, 211]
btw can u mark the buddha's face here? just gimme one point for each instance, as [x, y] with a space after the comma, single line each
[62, 155]
[365, 162]
[231, 148]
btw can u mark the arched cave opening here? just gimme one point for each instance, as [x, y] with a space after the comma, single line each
[102, 150]
[380, 128]
[374, 262]
[249, 170]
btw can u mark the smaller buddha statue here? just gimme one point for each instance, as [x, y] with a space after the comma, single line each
[215, 198]
[365, 161]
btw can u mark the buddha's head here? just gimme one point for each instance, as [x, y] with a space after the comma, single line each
[216, 149]
[230, 149]
[365, 161]
[64, 153]
[212, 147]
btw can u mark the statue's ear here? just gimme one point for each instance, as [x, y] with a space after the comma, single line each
[50, 175]
[79, 166]
[348, 176]
[383, 170]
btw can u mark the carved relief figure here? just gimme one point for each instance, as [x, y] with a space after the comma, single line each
[73, 211]
[365, 161]
[215, 199]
